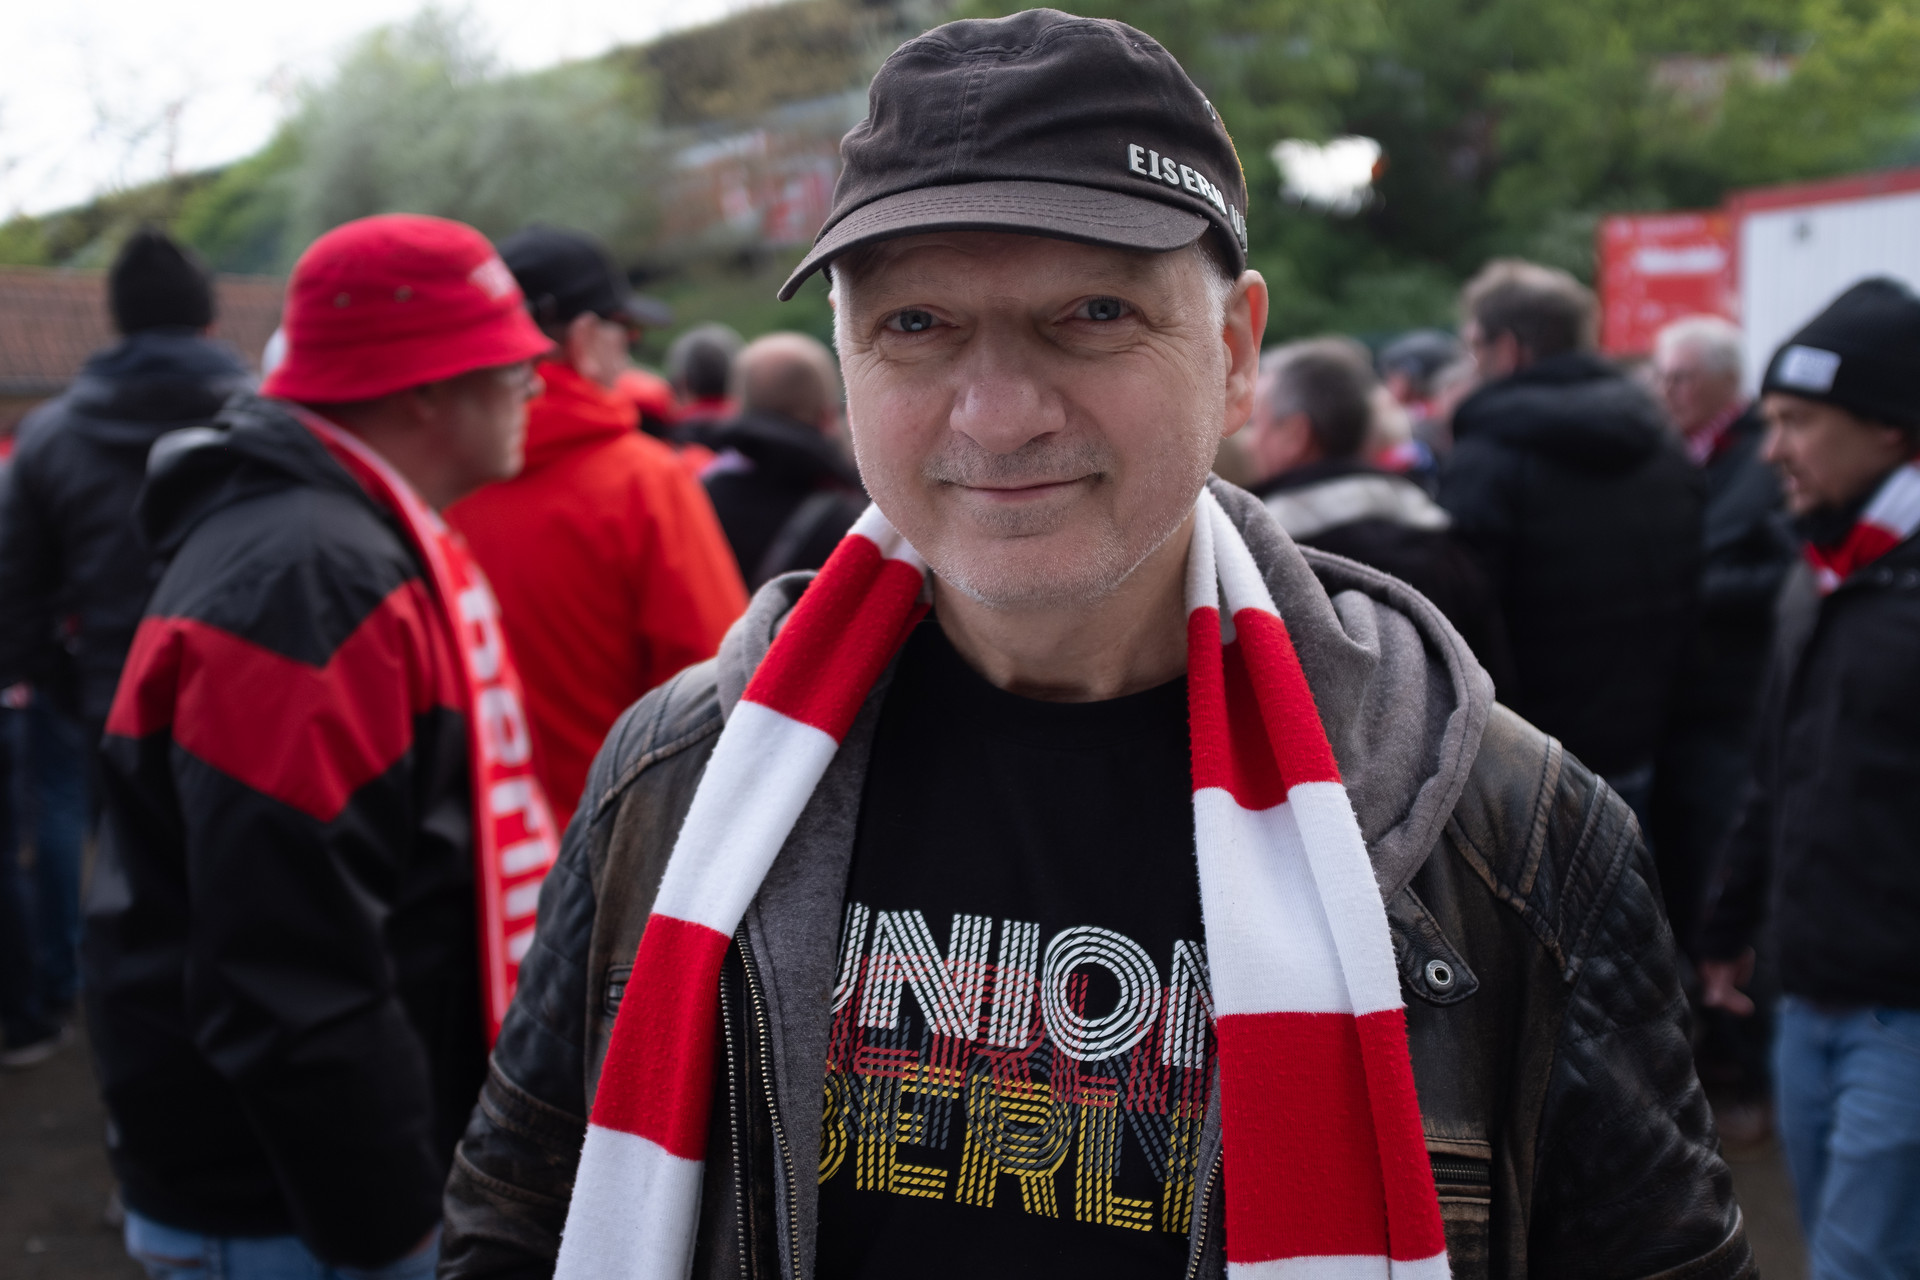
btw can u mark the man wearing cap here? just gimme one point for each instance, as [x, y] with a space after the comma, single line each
[1074, 877]
[610, 565]
[323, 839]
[74, 576]
[1827, 856]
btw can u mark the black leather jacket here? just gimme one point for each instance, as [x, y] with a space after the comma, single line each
[1568, 1134]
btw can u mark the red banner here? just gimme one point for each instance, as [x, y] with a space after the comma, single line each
[1658, 267]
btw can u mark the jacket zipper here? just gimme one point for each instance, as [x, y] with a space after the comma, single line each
[740, 1189]
[1206, 1216]
[758, 1003]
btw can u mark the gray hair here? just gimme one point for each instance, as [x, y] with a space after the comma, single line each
[1328, 379]
[1715, 341]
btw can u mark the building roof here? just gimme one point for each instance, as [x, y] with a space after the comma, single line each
[52, 319]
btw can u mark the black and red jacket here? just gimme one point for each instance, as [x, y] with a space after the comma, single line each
[280, 965]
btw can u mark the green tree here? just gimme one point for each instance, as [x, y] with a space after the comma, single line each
[418, 119]
[1513, 126]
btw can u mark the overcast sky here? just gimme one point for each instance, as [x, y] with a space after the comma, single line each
[98, 92]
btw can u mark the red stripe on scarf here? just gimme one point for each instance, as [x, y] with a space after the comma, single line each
[1229, 751]
[1303, 1171]
[1413, 1207]
[839, 638]
[1240, 752]
[1865, 543]
[1287, 705]
[1304, 1166]
[660, 1093]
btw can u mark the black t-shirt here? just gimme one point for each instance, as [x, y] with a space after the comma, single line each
[1022, 1044]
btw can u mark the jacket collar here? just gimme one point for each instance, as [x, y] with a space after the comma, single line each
[1310, 500]
[573, 412]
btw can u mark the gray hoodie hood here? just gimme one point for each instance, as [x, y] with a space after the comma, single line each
[1401, 697]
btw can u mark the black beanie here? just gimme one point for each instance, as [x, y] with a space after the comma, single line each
[1862, 354]
[156, 283]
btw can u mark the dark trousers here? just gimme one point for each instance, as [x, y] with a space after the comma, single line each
[46, 761]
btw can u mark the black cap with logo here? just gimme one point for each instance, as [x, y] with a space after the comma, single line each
[1039, 123]
[565, 273]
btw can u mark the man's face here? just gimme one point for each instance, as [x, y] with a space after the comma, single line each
[597, 348]
[482, 421]
[1826, 456]
[1693, 391]
[1037, 416]
[1495, 356]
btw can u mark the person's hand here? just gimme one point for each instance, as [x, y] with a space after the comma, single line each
[1720, 983]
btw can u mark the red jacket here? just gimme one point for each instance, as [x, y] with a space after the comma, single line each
[610, 567]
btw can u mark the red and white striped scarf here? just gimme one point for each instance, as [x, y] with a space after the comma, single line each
[1326, 1167]
[1891, 516]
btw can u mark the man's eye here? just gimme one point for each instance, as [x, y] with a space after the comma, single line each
[910, 321]
[1103, 309]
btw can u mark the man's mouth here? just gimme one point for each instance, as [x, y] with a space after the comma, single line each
[1023, 490]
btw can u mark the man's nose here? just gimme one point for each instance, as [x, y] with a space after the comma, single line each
[1772, 448]
[1002, 401]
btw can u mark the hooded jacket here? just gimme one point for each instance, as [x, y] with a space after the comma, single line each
[73, 569]
[785, 494]
[1587, 516]
[1567, 1131]
[611, 571]
[281, 980]
[1388, 522]
[1825, 853]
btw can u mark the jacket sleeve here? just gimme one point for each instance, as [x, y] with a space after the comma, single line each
[686, 590]
[1737, 894]
[299, 792]
[1630, 1178]
[506, 1200]
[29, 576]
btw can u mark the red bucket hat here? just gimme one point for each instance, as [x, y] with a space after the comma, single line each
[393, 301]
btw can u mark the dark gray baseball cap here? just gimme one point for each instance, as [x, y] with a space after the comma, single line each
[1040, 123]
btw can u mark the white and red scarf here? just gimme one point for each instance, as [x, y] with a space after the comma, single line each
[514, 842]
[1326, 1168]
[1891, 516]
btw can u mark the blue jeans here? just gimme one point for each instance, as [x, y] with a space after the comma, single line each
[169, 1253]
[1848, 1081]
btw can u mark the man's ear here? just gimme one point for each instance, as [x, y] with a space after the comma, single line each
[1241, 332]
[576, 340]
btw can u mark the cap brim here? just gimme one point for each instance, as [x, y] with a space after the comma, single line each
[639, 309]
[1058, 210]
[337, 375]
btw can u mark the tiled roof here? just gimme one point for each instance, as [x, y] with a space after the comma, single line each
[51, 320]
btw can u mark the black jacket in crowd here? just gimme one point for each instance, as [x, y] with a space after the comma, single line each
[280, 969]
[785, 494]
[1703, 763]
[1828, 850]
[73, 571]
[1586, 515]
[1389, 522]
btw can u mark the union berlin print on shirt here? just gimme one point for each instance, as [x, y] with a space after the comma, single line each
[989, 1073]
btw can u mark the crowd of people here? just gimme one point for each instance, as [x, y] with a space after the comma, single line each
[494, 832]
